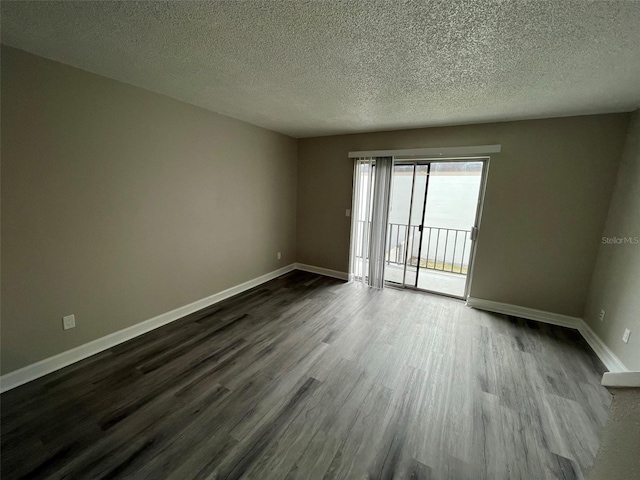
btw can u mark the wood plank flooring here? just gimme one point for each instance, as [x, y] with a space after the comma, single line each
[307, 377]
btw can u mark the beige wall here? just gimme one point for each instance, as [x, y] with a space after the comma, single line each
[617, 456]
[615, 286]
[119, 204]
[545, 205]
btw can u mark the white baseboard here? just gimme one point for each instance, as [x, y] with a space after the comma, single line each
[610, 360]
[621, 380]
[322, 271]
[524, 312]
[51, 364]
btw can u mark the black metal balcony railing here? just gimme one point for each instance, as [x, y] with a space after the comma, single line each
[443, 249]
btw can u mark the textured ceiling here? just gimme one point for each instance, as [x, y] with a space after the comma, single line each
[309, 68]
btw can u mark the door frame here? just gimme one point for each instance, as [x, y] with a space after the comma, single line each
[408, 160]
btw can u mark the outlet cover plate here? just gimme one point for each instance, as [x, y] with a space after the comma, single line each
[68, 321]
[625, 337]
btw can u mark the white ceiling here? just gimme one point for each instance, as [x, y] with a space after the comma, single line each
[308, 68]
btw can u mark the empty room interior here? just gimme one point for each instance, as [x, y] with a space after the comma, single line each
[320, 240]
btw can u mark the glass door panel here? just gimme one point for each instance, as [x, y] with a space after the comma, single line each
[414, 231]
[398, 231]
[408, 189]
[450, 215]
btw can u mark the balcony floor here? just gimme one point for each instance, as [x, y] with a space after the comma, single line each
[432, 280]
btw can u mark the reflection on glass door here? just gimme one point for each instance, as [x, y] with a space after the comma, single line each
[433, 213]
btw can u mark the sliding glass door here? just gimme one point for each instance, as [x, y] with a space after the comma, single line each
[434, 210]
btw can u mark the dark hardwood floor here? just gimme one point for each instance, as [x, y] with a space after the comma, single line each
[307, 377]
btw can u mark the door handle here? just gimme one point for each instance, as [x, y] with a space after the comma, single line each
[474, 234]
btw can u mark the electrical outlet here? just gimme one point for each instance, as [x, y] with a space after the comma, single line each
[68, 322]
[602, 314]
[279, 255]
[347, 213]
[625, 337]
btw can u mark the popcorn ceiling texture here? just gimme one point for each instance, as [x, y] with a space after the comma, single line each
[308, 68]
